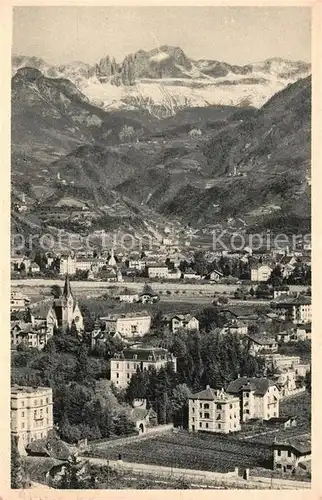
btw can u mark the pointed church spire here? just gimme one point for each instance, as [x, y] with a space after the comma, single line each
[67, 288]
[112, 260]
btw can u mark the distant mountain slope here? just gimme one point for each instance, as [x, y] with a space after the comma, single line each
[51, 117]
[271, 152]
[245, 163]
[165, 80]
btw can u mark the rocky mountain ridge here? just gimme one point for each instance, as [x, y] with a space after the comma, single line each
[165, 80]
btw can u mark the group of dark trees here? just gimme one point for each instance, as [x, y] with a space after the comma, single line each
[66, 365]
[203, 359]
[227, 266]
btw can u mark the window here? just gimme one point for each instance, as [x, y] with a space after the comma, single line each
[289, 467]
[135, 356]
[41, 402]
[218, 406]
[35, 402]
[200, 405]
[117, 375]
[200, 424]
[128, 375]
[47, 400]
[41, 413]
[231, 407]
[206, 415]
[193, 410]
[278, 466]
[200, 415]
[193, 419]
[289, 453]
[279, 453]
[219, 417]
[22, 403]
[219, 426]
[22, 425]
[47, 409]
[22, 413]
[117, 366]
[128, 366]
[35, 413]
[206, 406]
[207, 425]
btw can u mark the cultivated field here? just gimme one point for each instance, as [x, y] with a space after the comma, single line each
[184, 450]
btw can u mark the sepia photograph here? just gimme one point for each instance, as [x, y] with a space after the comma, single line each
[160, 248]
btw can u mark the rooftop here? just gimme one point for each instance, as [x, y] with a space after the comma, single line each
[144, 353]
[210, 394]
[262, 339]
[301, 445]
[133, 314]
[20, 389]
[259, 385]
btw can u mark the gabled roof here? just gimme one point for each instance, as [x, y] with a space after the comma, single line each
[184, 317]
[261, 339]
[301, 445]
[208, 394]
[52, 447]
[143, 354]
[259, 385]
[141, 413]
[148, 290]
[38, 467]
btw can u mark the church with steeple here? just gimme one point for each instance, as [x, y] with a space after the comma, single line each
[65, 311]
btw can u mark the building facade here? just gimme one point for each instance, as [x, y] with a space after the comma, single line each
[31, 412]
[260, 273]
[128, 325]
[214, 411]
[184, 321]
[158, 271]
[287, 456]
[259, 397]
[126, 363]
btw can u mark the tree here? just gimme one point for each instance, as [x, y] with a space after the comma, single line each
[180, 403]
[56, 291]
[308, 382]
[82, 368]
[17, 474]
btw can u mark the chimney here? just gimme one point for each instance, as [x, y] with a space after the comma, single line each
[207, 386]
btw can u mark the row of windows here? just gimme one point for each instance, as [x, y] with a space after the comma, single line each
[38, 423]
[207, 415]
[36, 402]
[279, 453]
[206, 425]
[288, 467]
[35, 412]
[219, 406]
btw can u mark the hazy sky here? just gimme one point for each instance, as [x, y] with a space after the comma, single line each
[232, 34]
